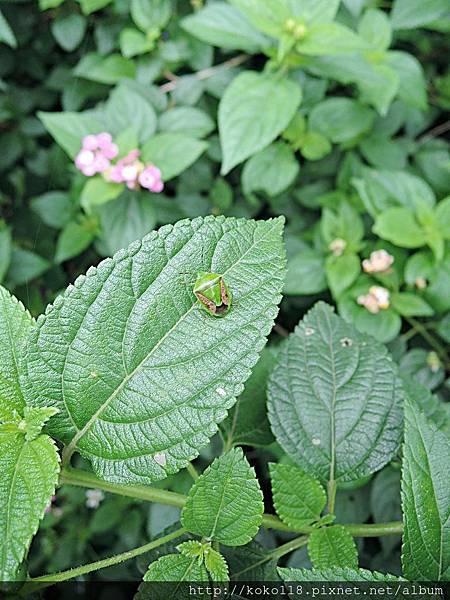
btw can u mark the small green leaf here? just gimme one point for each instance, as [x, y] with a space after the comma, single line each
[341, 119]
[69, 30]
[410, 305]
[329, 39]
[335, 574]
[54, 208]
[342, 271]
[90, 6]
[327, 392]
[29, 475]
[375, 28]
[68, 128]
[110, 69]
[225, 503]
[269, 16]
[187, 120]
[410, 14]
[306, 273]
[224, 26]
[216, 565]
[314, 146]
[425, 499]
[442, 213]
[299, 499]
[254, 110]
[34, 420]
[333, 546]
[73, 239]
[127, 108]
[176, 567]
[271, 170]
[25, 266]
[6, 33]
[172, 152]
[151, 14]
[399, 226]
[97, 191]
[134, 42]
[15, 326]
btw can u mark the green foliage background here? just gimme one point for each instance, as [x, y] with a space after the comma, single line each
[330, 113]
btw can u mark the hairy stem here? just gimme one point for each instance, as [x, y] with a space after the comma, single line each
[46, 580]
[150, 494]
[192, 471]
[276, 554]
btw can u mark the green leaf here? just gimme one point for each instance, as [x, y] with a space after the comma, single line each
[97, 191]
[411, 305]
[134, 42]
[271, 170]
[380, 190]
[131, 312]
[54, 208]
[254, 110]
[216, 565]
[410, 14]
[342, 271]
[110, 69]
[68, 128]
[176, 567]
[375, 28]
[412, 83]
[332, 547]
[15, 326]
[341, 119]
[5, 249]
[315, 146]
[6, 33]
[127, 108]
[315, 11]
[306, 273]
[25, 266]
[385, 503]
[90, 6]
[268, 16]
[399, 226]
[173, 153]
[73, 239]
[29, 476]
[331, 388]
[429, 404]
[298, 498]
[329, 39]
[224, 26]
[151, 14]
[187, 120]
[247, 421]
[34, 420]
[69, 30]
[225, 503]
[442, 215]
[425, 499]
[124, 220]
[335, 574]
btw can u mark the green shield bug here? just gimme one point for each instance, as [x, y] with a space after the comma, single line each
[213, 293]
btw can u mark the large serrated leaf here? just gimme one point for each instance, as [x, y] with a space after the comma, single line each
[425, 499]
[335, 574]
[176, 567]
[332, 547]
[298, 498]
[335, 400]
[15, 325]
[29, 474]
[225, 503]
[140, 373]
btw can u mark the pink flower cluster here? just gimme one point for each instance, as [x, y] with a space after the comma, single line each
[134, 173]
[96, 155]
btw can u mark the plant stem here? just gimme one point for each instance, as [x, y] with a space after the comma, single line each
[192, 471]
[439, 348]
[141, 492]
[81, 478]
[207, 73]
[46, 580]
[276, 554]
